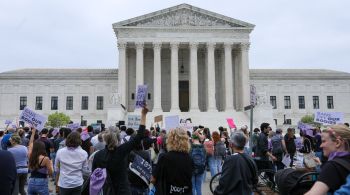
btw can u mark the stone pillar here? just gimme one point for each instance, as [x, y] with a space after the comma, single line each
[122, 73]
[193, 78]
[245, 81]
[139, 64]
[228, 77]
[174, 77]
[211, 78]
[157, 84]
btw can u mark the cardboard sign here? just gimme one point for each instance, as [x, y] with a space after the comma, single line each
[158, 118]
[186, 124]
[141, 96]
[231, 123]
[329, 118]
[34, 119]
[134, 121]
[141, 168]
[172, 122]
[8, 122]
[73, 126]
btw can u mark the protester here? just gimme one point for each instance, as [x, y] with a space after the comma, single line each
[278, 147]
[20, 153]
[209, 148]
[48, 144]
[24, 140]
[173, 172]
[318, 142]
[113, 157]
[306, 143]
[198, 156]
[219, 151]
[239, 172]
[100, 145]
[336, 146]
[5, 139]
[254, 139]
[290, 144]
[8, 173]
[40, 166]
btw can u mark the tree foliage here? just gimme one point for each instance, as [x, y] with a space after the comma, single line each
[58, 119]
[307, 119]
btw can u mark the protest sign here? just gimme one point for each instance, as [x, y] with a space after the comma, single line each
[96, 127]
[73, 126]
[141, 96]
[171, 122]
[158, 118]
[34, 119]
[231, 123]
[84, 135]
[329, 118]
[286, 160]
[186, 124]
[141, 168]
[8, 122]
[306, 128]
[298, 143]
[134, 121]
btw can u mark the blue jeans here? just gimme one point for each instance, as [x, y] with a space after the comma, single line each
[211, 165]
[217, 164]
[38, 186]
[197, 181]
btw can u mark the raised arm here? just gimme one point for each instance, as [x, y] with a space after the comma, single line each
[31, 141]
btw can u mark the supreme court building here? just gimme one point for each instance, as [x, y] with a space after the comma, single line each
[195, 64]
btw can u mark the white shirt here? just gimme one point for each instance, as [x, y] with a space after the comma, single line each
[71, 163]
[94, 140]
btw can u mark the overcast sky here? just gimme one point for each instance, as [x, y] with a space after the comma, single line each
[78, 33]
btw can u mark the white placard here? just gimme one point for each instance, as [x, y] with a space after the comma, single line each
[286, 160]
[134, 121]
[186, 124]
[172, 122]
[329, 118]
[30, 117]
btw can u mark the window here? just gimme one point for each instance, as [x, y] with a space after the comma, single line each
[132, 96]
[69, 103]
[83, 123]
[287, 104]
[85, 103]
[54, 102]
[22, 102]
[38, 103]
[316, 102]
[99, 105]
[330, 104]
[99, 121]
[273, 102]
[301, 102]
[288, 122]
[275, 121]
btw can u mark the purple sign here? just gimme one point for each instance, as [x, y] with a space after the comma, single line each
[74, 126]
[8, 122]
[84, 135]
[55, 131]
[141, 96]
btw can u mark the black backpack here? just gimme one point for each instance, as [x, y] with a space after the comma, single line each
[219, 149]
[198, 159]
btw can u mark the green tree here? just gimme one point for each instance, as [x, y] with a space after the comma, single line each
[58, 119]
[307, 119]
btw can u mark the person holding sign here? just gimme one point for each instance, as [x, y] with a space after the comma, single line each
[113, 156]
[336, 146]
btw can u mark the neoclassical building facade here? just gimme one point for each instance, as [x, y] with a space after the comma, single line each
[195, 64]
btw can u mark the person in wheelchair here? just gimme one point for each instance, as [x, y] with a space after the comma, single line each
[239, 172]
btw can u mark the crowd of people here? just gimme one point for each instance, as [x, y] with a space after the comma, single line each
[121, 160]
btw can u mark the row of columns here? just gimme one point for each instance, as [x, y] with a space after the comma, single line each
[243, 81]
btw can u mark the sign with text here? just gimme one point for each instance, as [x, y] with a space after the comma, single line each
[329, 118]
[141, 96]
[186, 124]
[8, 122]
[73, 126]
[253, 97]
[36, 120]
[158, 118]
[231, 123]
[171, 122]
[141, 168]
[306, 128]
[134, 121]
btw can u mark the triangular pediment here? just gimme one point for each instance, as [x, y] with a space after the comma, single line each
[183, 15]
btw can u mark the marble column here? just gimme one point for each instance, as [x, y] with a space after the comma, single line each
[211, 78]
[174, 77]
[157, 84]
[122, 73]
[193, 77]
[228, 77]
[139, 64]
[245, 81]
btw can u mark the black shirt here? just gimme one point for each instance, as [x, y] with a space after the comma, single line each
[290, 144]
[262, 147]
[333, 174]
[48, 145]
[174, 172]
[8, 172]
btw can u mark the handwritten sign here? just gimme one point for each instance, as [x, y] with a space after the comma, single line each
[141, 96]
[134, 121]
[329, 118]
[231, 123]
[8, 122]
[73, 126]
[171, 122]
[158, 118]
[141, 168]
[30, 117]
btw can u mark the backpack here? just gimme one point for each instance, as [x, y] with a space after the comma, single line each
[220, 149]
[209, 147]
[276, 143]
[198, 158]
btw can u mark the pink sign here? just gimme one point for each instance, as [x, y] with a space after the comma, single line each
[231, 123]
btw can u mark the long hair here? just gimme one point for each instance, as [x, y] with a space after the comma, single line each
[38, 149]
[111, 139]
[178, 141]
[215, 136]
